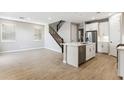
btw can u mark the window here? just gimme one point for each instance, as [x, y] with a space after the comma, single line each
[7, 33]
[38, 33]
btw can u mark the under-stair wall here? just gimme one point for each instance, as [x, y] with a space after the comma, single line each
[53, 30]
[63, 32]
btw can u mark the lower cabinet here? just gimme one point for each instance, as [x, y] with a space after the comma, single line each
[103, 47]
[120, 61]
[90, 51]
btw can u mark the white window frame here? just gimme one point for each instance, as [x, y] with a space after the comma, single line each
[1, 26]
[39, 28]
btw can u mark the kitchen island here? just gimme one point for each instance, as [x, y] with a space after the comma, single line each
[76, 53]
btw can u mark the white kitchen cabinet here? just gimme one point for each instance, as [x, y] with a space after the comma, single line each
[103, 41]
[76, 53]
[104, 32]
[94, 50]
[92, 26]
[103, 47]
[120, 62]
[90, 51]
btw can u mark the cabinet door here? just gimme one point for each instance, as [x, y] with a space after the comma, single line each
[99, 46]
[93, 50]
[88, 27]
[121, 63]
[113, 50]
[104, 31]
[88, 52]
[105, 47]
[92, 26]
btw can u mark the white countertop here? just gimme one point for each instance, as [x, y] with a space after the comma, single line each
[77, 43]
[120, 48]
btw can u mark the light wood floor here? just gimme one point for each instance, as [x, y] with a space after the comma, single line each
[46, 64]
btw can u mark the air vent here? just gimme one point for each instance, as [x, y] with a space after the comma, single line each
[98, 12]
[24, 18]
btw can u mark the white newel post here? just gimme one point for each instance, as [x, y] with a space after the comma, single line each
[65, 54]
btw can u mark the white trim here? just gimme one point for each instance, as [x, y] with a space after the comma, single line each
[20, 50]
[37, 40]
[20, 20]
[53, 50]
[8, 41]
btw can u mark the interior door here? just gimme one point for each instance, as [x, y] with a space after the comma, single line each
[115, 37]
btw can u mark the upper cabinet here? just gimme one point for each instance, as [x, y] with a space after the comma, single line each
[115, 23]
[103, 37]
[92, 26]
[103, 32]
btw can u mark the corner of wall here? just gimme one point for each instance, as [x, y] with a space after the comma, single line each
[50, 43]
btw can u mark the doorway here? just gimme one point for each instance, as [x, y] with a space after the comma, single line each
[80, 35]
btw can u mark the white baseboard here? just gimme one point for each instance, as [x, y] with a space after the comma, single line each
[20, 50]
[53, 50]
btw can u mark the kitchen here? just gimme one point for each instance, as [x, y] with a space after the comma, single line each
[98, 37]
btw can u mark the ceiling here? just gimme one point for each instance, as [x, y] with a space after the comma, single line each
[49, 17]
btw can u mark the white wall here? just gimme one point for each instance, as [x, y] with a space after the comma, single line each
[65, 32]
[122, 28]
[24, 37]
[50, 43]
[74, 32]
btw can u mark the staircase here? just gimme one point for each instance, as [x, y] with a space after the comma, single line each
[53, 30]
[61, 22]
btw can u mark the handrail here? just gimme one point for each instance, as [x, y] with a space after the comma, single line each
[56, 36]
[60, 22]
[55, 32]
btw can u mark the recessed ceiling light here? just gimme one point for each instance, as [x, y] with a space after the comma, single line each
[21, 17]
[109, 14]
[24, 18]
[49, 18]
[93, 18]
[28, 18]
[98, 12]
